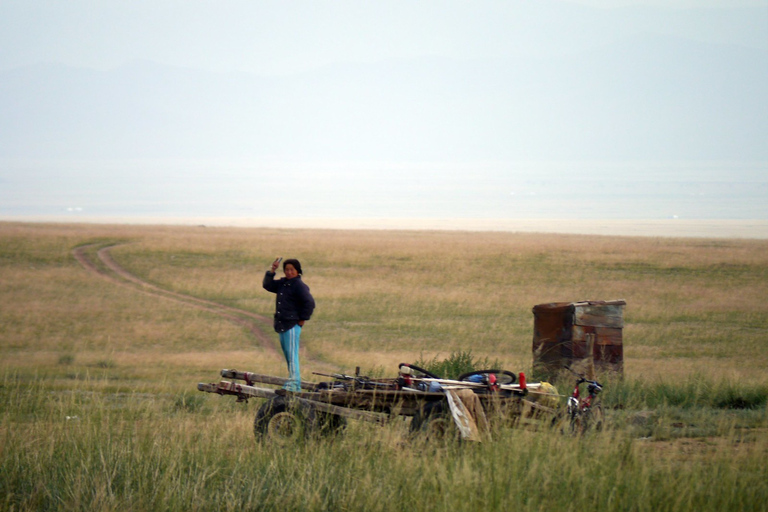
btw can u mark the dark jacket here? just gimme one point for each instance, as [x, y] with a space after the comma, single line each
[293, 301]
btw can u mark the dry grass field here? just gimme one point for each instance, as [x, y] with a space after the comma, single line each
[693, 305]
[124, 360]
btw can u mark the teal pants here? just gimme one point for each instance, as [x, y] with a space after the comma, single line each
[289, 341]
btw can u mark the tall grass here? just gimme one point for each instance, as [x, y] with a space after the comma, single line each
[98, 406]
[83, 449]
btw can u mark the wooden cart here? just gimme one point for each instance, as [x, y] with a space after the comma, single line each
[437, 407]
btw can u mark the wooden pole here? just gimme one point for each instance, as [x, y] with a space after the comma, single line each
[591, 356]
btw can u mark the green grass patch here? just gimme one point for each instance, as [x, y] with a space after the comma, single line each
[457, 364]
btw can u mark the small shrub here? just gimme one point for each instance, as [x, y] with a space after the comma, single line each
[377, 372]
[696, 391]
[731, 397]
[456, 364]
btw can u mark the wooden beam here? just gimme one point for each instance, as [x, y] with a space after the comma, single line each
[250, 378]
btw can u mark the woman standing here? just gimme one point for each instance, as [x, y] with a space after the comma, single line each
[293, 306]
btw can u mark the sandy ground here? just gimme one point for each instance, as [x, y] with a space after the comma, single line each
[755, 229]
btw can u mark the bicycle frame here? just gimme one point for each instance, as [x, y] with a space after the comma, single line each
[578, 406]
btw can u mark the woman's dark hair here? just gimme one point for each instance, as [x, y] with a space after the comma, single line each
[295, 264]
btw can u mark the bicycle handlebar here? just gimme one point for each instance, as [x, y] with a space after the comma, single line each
[339, 376]
[581, 377]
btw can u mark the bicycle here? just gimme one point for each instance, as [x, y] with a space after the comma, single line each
[585, 413]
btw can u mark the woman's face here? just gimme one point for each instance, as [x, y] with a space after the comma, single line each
[290, 271]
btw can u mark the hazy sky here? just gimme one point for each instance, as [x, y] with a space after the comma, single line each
[401, 81]
[275, 37]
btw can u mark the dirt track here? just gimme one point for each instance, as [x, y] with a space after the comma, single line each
[118, 275]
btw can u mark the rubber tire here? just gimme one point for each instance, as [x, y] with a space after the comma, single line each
[312, 421]
[434, 422]
[275, 406]
[285, 428]
[327, 424]
[590, 421]
[497, 372]
[427, 374]
[597, 418]
[269, 409]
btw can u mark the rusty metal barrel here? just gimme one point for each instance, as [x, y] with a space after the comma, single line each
[563, 331]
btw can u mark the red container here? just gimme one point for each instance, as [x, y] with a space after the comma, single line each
[562, 332]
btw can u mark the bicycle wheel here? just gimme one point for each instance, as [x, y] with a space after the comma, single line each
[591, 420]
[502, 376]
[422, 371]
[597, 417]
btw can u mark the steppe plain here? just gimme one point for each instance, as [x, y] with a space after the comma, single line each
[100, 408]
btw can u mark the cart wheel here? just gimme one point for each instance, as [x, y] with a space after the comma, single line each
[441, 428]
[285, 428]
[328, 424]
[502, 376]
[284, 421]
[419, 419]
[434, 422]
[281, 421]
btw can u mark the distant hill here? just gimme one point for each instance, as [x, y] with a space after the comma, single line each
[643, 97]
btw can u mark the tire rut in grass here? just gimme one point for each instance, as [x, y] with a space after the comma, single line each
[119, 275]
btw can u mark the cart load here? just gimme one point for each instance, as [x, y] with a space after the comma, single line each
[465, 407]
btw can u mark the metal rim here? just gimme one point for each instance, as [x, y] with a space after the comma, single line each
[502, 376]
[590, 420]
[284, 427]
